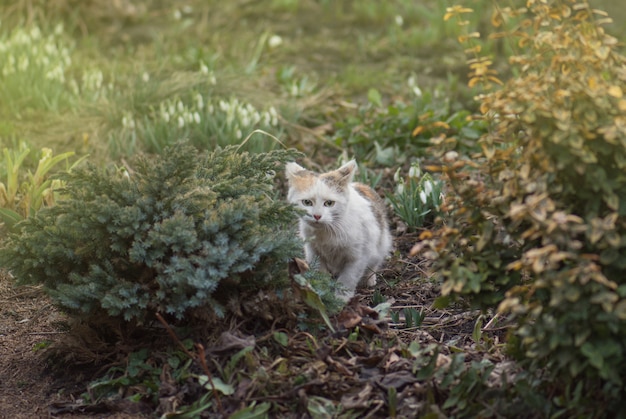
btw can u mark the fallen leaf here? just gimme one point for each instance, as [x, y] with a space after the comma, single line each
[229, 342]
[360, 400]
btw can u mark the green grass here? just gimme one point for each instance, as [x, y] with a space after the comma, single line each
[124, 61]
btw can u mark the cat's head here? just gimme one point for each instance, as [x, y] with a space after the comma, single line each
[323, 197]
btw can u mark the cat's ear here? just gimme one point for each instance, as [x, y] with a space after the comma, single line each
[292, 169]
[346, 172]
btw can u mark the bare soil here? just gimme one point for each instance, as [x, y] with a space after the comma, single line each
[29, 387]
[28, 322]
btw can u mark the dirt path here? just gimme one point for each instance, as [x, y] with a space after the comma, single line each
[27, 322]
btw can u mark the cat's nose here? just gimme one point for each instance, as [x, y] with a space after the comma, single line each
[317, 217]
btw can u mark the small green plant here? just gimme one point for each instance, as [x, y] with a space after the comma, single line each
[182, 231]
[200, 118]
[417, 199]
[23, 192]
[387, 134]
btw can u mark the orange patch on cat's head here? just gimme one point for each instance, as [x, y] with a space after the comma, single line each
[299, 178]
[340, 178]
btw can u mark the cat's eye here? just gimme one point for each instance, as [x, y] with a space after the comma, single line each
[307, 202]
[329, 203]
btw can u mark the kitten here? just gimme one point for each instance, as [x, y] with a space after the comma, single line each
[344, 225]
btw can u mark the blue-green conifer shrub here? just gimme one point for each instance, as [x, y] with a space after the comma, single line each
[184, 230]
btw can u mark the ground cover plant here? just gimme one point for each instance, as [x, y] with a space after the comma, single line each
[159, 239]
[503, 297]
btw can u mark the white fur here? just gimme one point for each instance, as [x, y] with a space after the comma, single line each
[347, 239]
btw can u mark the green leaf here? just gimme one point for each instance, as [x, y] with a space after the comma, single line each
[216, 384]
[312, 299]
[442, 302]
[281, 338]
[477, 333]
[253, 411]
[9, 217]
[374, 97]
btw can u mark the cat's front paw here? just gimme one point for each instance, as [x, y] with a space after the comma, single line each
[344, 294]
[371, 280]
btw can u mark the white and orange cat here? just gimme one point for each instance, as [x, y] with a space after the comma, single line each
[344, 224]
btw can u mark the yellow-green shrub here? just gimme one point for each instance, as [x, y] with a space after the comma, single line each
[537, 223]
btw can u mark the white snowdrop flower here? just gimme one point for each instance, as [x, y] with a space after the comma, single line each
[165, 116]
[196, 117]
[414, 171]
[396, 176]
[399, 20]
[188, 117]
[199, 101]
[65, 54]
[187, 10]
[181, 122]
[99, 78]
[23, 63]
[414, 87]
[211, 109]
[203, 68]
[21, 38]
[49, 48]
[245, 120]
[256, 117]
[238, 134]
[74, 87]
[35, 33]
[145, 77]
[230, 117]
[274, 41]
[58, 29]
[223, 106]
[212, 79]
[56, 74]
[180, 107]
[428, 187]
[423, 197]
[177, 14]
[274, 115]
[267, 118]
[170, 109]
[400, 188]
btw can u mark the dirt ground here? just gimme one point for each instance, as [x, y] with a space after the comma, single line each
[28, 388]
[27, 323]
